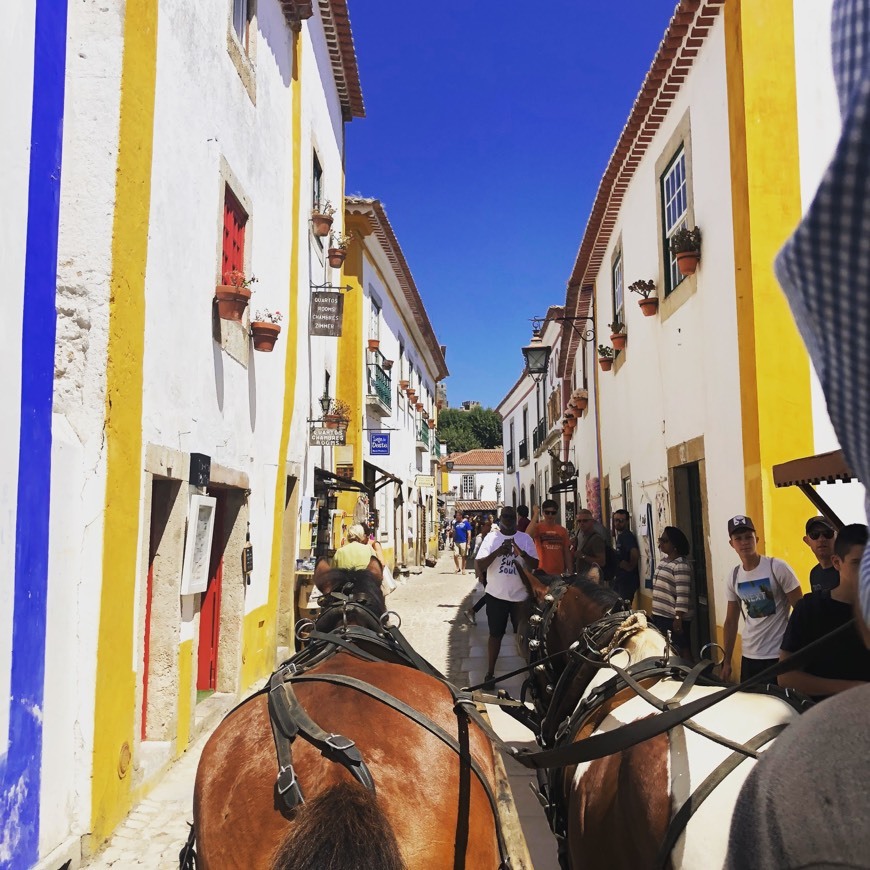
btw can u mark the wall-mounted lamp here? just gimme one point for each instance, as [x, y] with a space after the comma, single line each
[325, 402]
[537, 356]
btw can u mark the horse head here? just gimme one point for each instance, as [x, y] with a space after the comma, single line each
[350, 596]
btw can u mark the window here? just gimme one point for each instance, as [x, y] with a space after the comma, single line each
[316, 181]
[468, 492]
[618, 289]
[675, 206]
[375, 320]
[235, 220]
[242, 11]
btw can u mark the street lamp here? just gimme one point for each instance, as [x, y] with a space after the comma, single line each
[325, 402]
[537, 356]
[449, 464]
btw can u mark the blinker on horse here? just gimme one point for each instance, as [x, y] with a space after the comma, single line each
[343, 682]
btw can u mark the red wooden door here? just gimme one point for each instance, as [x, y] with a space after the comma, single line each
[210, 608]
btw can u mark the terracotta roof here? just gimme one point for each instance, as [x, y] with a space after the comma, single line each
[484, 456]
[683, 39]
[339, 42]
[383, 231]
[476, 506]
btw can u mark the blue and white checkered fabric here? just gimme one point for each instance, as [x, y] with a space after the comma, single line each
[825, 267]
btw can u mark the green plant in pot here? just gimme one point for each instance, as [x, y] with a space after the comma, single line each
[648, 303]
[339, 412]
[618, 338]
[605, 357]
[337, 251]
[232, 297]
[265, 329]
[322, 218]
[686, 248]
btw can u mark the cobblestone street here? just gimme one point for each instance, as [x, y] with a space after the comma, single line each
[430, 604]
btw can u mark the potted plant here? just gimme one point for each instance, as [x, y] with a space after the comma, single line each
[580, 398]
[431, 424]
[337, 250]
[403, 385]
[605, 357]
[339, 412]
[387, 364]
[265, 329]
[649, 304]
[233, 295]
[686, 247]
[374, 343]
[321, 218]
[618, 337]
[419, 406]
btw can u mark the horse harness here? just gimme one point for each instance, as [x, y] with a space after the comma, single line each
[289, 719]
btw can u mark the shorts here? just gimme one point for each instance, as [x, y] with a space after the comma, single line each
[497, 612]
[462, 547]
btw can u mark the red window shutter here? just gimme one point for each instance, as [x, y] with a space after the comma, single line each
[235, 219]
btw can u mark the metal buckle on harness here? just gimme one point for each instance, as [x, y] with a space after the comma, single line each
[333, 742]
[288, 786]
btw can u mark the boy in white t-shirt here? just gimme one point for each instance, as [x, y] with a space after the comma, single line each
[506, 593]
[766, 589]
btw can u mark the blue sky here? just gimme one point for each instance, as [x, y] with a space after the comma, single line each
[488, 127]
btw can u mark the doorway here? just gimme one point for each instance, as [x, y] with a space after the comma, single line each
[689, 517]
[210, 605]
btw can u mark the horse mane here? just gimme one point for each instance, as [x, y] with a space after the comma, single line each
[343, 828]
[599, 594]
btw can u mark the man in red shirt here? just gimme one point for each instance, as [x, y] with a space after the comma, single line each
[551, 539]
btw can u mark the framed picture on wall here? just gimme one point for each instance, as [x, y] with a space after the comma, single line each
[197, 546]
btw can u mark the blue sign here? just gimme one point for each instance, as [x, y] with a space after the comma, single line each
[379, 443]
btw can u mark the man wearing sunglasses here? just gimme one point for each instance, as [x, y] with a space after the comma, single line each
[551, 539]
[819, 538]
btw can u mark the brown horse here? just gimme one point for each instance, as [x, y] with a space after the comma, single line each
[412, 821]
[631, 809]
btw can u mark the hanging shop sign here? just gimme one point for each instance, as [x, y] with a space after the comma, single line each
[379, 443]
[322, 437]
[327, 308]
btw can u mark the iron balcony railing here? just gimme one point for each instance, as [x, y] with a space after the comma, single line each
[380, 384]
[436, 445]
[524, 451]
[542, 432]
[510, 460]
[423, 433]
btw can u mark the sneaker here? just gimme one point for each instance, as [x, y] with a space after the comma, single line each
[488, 681]
[471, 616]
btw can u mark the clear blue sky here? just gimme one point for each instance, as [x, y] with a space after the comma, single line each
[488, 127]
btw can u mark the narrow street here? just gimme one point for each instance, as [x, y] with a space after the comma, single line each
[430, 604]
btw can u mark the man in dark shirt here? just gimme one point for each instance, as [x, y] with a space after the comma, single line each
[819, 538]
[523, 518]
[627, 579]
[846, 664]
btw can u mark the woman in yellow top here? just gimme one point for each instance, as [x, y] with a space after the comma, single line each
[356, 553]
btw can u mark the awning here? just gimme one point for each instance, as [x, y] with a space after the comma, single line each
[326, 480]
[810, 471]
[470, 505]
[384, 479]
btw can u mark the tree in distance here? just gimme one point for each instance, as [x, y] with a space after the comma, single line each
[469, 430]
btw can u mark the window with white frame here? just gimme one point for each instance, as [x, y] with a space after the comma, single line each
[675, 207]
[375, 319]
[242, 11]
[468, 492]
[618, 289]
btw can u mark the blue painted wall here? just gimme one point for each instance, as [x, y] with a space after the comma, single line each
[20, 773]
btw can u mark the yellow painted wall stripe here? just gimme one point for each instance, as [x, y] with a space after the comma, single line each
[765, 181]
[260, 629]
[115, 696]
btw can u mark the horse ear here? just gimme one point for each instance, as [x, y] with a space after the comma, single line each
[321, 572]
[376, 568]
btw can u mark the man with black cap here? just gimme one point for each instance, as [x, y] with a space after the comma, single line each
[819, 538]
[767, 589]
[506, 593]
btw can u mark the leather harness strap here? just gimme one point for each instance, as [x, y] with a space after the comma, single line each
[705, 789]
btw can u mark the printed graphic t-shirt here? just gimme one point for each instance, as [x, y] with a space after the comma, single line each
[460, 531]
[502, 579]
[762, 595]
[551, 542]
[824, 579]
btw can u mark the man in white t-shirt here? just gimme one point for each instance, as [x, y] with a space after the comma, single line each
[766, 589]
[506, 593]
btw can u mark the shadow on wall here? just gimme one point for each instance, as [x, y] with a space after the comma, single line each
[278, 37]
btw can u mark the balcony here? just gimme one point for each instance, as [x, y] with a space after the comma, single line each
[379, 393]
[436, 445]
[422, 435]
[509, 460]
[524, 452]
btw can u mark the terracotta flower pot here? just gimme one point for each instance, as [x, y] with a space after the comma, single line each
[606, 363]
[618, 340]
[331, 421]
[336, 257]
[265, 334]
[321, 224]
[582, 403]
[403, 385]
[431, 424]
[231, 301]
[374, 343]
[387, 364]
[419, 406]
[649, 306]
[687, 261]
